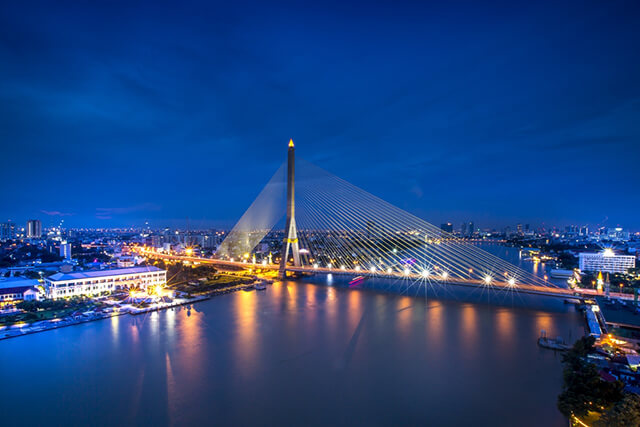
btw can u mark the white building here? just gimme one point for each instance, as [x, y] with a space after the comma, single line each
[62, 285]
[606, 261]
[17, 289]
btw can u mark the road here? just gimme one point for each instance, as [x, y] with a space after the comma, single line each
[494, 284]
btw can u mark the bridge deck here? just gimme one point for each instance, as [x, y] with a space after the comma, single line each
[494, 284]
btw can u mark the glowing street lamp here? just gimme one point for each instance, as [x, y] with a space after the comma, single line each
[512, 282]
[406, 271]
[487, 279]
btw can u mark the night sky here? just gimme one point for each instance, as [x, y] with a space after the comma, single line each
[114, 114]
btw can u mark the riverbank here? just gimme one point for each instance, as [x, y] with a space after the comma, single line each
[24, 328]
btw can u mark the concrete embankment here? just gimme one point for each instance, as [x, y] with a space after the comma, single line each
[21, 329]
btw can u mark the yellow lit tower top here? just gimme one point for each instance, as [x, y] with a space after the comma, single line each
[291, 143]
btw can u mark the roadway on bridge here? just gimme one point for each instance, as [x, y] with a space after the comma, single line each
[494, 284]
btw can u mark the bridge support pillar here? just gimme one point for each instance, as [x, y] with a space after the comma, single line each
[291, 236]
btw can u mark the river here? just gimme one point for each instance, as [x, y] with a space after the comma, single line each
[298, 353]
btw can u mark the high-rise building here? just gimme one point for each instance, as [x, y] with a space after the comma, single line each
[34, 229]
[463, 229]
[7, 231]
[472, 228]
[447, 227]
[65, 250]
[519, 228]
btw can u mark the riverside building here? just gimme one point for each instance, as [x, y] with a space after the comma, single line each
[62, 285]
[606, 261]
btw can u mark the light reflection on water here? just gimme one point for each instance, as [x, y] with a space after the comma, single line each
[288, 353]
[246, 331]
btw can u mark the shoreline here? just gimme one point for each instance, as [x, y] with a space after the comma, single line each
[15, 331]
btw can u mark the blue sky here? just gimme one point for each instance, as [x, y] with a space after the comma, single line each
[116, 113]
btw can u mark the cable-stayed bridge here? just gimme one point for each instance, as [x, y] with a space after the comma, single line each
[332, 226]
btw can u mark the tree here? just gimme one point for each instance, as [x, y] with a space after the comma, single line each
[583, 390]
[625, 413]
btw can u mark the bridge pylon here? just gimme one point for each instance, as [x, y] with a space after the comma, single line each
[291, 236]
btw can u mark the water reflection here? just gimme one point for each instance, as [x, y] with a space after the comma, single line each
[134, 332]
[171, 390]
[115, 325]
[435, 325]
[331, 310]
[403, 316]
[243, 358]
[469, 326]
[544, 321]
[505, 329]
[245, 336]
[170, 322]
[154, 320]
[292, 302]
[354, 307]
[190, 338]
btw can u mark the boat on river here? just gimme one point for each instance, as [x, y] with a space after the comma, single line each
[557, 344]
[356, 281]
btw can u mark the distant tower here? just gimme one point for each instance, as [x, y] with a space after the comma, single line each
[34, 229]
[291, 236]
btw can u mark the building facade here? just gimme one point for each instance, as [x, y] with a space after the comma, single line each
[14, 290]
[447, 227]
[64, 285]
[606, 262]
[34, 229]
[7, 231]
[65, 250]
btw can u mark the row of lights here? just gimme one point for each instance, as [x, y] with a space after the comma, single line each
[425, 273]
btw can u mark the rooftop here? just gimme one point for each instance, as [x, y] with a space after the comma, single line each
[16, 290]
[102, 273]
[16, 282]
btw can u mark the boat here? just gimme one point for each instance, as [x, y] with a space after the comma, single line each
[557, 344]
[554, 344]
[261, 286]
[356, 281]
